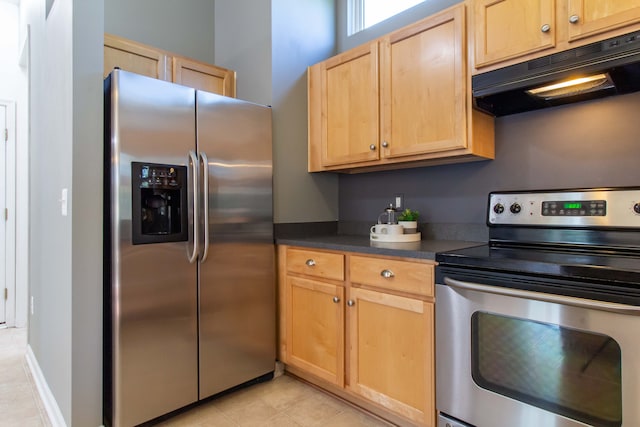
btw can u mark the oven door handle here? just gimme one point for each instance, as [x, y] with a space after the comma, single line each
[541, 296]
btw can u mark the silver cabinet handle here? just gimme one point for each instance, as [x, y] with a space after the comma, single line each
[336, 299]
[387, 274]
[541, 296]
[574, 19]
[193, 161]
[351, 303]
[372, 147]
[385, 144]
[205, 210]
[310, 263]
[545, 28]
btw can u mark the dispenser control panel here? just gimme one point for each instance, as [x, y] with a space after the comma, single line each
[158, 176]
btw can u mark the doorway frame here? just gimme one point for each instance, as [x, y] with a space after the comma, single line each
[10, 223]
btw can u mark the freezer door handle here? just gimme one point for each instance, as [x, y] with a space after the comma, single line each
[205, 210]
[193, 162]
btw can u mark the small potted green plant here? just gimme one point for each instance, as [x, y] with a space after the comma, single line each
[409, 220]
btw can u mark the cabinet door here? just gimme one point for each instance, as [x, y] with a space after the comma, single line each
[589, 17]
[349, 107]
[423, 71]
[207, 77]
[134, 57]
[315, 328]
[506, 29]
[392, 353]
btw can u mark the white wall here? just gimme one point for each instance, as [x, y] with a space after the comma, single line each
[13, 87]
[65, 270]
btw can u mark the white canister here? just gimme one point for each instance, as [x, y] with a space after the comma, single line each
[387, 229]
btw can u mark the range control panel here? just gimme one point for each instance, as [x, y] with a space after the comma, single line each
[608, 207]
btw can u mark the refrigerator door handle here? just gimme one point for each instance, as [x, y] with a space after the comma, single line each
[193, 161]
[205, 192]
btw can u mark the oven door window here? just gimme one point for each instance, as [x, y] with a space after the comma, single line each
[572, 373]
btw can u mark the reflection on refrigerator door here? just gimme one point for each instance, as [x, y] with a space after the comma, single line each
[189, 285]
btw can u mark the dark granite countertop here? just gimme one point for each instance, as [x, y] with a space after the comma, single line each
[424, 249]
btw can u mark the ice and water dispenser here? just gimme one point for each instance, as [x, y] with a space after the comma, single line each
[159, 203]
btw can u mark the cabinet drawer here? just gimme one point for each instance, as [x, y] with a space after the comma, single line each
[314, 263]
[405, 276]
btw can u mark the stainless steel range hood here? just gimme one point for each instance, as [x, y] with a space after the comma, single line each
[613, 66]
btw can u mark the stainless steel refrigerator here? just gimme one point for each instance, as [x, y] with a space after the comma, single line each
[189, 253]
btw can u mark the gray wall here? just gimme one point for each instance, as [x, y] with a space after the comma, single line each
[303, 34]
[184, 27]
[243, 44]
[270, 49]
[65, 259]
[584, 145]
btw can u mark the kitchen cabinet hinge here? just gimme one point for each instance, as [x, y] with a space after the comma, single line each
[6, 214]
[6, 134]
[6, 294]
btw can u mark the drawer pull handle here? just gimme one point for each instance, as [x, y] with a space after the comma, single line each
[387, 274]
[310, 263]
[351, 303]
[336, 299]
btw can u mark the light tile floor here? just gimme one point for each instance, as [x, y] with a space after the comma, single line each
[20, 404]
[282, 402]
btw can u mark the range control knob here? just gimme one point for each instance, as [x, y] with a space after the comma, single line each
[636, 208]
[498, 208]
[515, 208]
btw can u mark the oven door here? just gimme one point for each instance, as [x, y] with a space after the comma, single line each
[507, 357]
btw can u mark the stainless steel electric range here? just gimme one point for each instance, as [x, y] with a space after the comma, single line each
[541, 326]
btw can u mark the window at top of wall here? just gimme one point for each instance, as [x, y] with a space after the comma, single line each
[365, 13]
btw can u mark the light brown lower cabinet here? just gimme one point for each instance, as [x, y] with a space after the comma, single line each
[369, 337]
[315, 327]
[391, 352]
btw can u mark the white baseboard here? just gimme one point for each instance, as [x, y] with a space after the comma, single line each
[49, 402]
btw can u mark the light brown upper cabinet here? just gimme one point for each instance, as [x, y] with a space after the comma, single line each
[200, 75]
[159, 64]
[402, 100]
[135, 57]
[424, 87]
[510, 31]
[589, 17]
[350, 103]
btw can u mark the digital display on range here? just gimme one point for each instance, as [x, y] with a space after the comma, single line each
[573, 205]
[575, 208]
